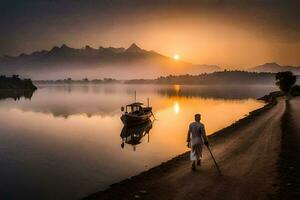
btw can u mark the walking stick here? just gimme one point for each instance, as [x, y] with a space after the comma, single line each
[216, 164]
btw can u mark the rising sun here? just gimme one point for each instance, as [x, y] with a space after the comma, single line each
[176, 56]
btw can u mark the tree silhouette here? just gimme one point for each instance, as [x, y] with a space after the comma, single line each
[285, 81]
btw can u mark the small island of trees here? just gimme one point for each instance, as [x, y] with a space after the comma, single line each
[15, 87]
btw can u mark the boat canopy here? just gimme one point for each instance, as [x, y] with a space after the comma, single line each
[136, 104]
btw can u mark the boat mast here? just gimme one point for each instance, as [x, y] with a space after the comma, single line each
[135, 96]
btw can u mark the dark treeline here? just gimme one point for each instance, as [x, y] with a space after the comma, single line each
[16, 83]
[216, 78]
[82, 81]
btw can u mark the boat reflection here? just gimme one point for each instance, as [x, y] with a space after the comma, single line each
[132, 135]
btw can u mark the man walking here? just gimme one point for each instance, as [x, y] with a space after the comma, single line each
[196, 137]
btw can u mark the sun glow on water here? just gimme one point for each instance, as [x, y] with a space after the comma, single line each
[176, 107]
[177, 89]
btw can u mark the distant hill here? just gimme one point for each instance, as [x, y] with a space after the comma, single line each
[274, 68]
[121, 63]
[216, 78]
[200, 69]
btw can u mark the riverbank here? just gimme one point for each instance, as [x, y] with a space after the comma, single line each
[247, 152]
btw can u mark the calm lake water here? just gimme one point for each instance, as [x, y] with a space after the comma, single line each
[64, 142]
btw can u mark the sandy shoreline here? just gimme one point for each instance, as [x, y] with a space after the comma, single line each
[143, 185]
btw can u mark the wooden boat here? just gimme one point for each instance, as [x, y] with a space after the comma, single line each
[135, 114]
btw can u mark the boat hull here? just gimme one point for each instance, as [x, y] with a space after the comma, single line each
[132, 120]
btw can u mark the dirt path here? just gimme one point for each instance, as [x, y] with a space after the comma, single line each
[247, 157]
[289, 163]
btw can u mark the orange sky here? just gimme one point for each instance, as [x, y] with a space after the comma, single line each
[201, 41]
[229, 33]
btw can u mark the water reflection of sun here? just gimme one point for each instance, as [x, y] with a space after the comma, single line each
[176, 107]
[177, 89]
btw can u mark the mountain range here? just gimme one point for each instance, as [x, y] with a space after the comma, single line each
[121, 63]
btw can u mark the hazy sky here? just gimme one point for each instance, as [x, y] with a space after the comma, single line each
[230, 33]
